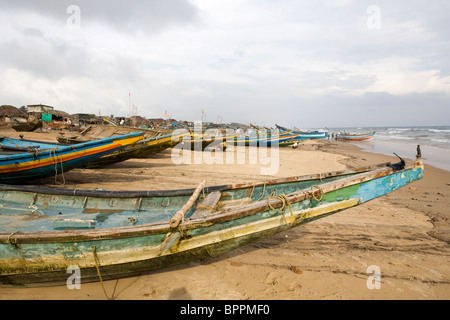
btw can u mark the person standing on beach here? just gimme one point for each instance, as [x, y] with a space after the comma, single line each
[419, 152]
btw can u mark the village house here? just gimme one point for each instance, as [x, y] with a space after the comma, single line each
[12, 115]
[49, 115]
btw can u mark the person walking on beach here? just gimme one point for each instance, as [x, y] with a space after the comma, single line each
[419, 152]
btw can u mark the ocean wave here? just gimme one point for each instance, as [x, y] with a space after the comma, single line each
[400, 129]
[395, 131]
[388, 137]
[446, 141]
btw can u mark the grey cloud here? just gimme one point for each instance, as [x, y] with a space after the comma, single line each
[136, 15]
[43, 56]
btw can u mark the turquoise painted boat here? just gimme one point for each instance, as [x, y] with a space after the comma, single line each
[304, 134]
[47, 233]
[14, 145]
[36, 164]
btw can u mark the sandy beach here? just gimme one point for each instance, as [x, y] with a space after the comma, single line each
[405, 235]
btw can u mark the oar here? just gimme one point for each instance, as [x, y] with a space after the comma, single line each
[176, 219]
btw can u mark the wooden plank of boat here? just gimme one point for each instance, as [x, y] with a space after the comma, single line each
[179, 215]
[206, 207]
[244, 213]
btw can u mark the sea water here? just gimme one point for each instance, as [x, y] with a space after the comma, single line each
[434, 142]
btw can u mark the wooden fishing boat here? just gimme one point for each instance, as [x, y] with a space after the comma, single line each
[304, 134]
[290, 143]
[95, 132]
[26, 166]
[8, 144]
[207, 141]
[29, 126]
[264, 140]
[106, 235]
[355, 136]
[140, 149]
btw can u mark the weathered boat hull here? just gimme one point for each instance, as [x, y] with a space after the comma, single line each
[290, 143]
[21, 168]
[95, 132]
[142, 149]
[28, 126]
[264, 140]
[43, 258]
[356, 137]
[304, 134]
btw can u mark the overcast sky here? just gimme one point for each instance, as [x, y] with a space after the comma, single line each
[306, 64]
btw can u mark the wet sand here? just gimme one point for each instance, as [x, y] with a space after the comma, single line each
[404, 235]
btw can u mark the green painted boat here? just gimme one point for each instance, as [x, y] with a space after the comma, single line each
[45, 233]
[290, 143]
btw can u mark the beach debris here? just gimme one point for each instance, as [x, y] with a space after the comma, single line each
[295, 270]
[236, 264]
[149, 294]
[412, 188]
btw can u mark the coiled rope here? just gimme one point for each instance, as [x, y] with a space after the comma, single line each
[285, 203]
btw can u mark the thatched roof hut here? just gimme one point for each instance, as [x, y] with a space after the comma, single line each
[12, 112]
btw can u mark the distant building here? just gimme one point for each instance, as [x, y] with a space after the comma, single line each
[49, 115]
[154, 123]
[85, 119]
[137, 121]
[39, 108]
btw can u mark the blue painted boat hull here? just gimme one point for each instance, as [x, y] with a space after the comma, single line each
[25, 167]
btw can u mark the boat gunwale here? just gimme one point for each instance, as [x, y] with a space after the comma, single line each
[184, 192]
[219, 217]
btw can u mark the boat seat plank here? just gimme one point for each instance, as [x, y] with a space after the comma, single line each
[206, 207]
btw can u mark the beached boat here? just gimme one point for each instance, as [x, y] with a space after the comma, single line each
[264, 140]
[208, 142]
[304, 134]
[95, 132]
[355, 136]
[46, 233]
[28, 126]
[8, 144]
[140, 149]
[290, 143]
[26, 166]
